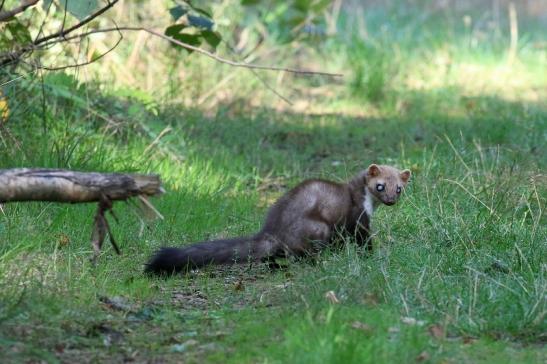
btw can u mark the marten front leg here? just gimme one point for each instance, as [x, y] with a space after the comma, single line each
[362, 233]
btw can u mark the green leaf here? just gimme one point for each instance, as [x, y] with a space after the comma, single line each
[61, 80]
[17, 33]
[200, 22]
[183, 9]
[191, 39]
[65, 86]
[320, 5]
[178, 11]
[212, 38]
[250, 2]
[302, 5]
[175, 29]
[80, 8]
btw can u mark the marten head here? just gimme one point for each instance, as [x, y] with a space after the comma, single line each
[386, 183]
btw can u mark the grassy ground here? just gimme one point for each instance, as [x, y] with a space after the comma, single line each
[458, 274]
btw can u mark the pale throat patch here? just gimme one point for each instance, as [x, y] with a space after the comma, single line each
[368, 203]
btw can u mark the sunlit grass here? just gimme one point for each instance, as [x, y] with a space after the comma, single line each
[463, 249]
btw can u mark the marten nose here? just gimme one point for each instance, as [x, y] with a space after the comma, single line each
[390, 201]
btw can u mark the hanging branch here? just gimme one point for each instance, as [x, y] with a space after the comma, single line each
[53, 40]
[58, 185]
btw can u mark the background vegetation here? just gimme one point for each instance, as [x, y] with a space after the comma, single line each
[459, 271]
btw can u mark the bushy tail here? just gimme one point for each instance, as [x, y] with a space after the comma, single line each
[226, 251]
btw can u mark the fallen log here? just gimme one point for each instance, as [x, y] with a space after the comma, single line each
[58, 185]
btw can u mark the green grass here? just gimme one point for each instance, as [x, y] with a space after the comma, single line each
[458, 273]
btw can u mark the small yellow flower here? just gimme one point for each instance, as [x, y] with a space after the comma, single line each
[4, 109]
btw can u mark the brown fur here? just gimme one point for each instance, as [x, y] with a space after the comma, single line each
[301, 222]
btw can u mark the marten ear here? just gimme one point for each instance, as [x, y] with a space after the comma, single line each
[373, 170]
[405, 175]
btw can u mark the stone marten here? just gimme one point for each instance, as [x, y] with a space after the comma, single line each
[302, 221]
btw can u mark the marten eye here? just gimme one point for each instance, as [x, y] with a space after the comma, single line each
[380, 187]
[398, 189]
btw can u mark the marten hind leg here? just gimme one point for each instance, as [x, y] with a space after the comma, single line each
[267, 249]
[311, 237]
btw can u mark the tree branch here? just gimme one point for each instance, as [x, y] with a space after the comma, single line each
[61, 36]
[8, 14]
[75, 65]
[197, 50]
[9, 57]
[63, 32]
